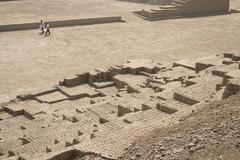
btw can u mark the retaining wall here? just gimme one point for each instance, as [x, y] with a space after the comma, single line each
[188, 9]
[64, 23]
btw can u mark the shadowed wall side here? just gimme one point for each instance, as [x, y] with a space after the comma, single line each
[64, 23]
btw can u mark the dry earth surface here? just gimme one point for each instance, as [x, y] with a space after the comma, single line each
[29, 60]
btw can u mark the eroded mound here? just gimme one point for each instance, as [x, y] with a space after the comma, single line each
[213, 132]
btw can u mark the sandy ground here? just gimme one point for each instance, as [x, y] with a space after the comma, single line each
[29, 60]
[25, 11]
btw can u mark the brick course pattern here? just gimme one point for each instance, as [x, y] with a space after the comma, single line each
[100, 113]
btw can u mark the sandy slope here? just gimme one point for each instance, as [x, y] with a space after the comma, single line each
[213, 133]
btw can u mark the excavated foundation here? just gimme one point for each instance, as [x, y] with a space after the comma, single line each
[100, 113]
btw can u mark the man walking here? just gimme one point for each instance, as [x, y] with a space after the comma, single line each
[47, 33]
[42, 26]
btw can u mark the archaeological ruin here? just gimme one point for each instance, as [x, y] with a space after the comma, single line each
[186, 8]
[105, 78]
[102, 111]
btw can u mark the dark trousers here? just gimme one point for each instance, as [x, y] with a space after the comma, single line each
[42, 30]
[47, 33]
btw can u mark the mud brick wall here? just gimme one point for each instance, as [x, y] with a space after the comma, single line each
[63, 23]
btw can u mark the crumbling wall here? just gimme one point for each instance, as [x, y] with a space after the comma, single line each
[74, 154]
[232, 87]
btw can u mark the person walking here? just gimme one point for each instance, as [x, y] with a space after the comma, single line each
[47, 32]
[42, 26]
